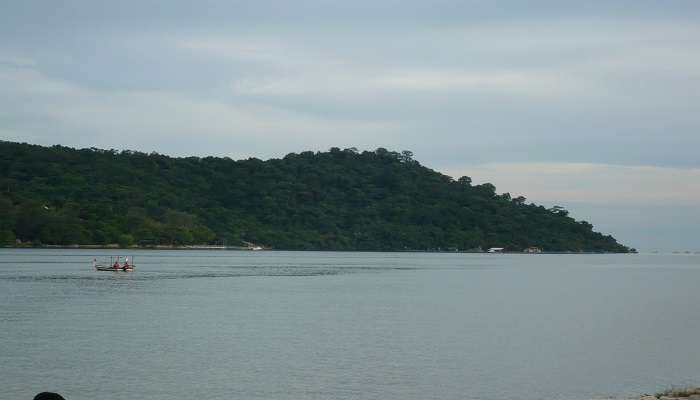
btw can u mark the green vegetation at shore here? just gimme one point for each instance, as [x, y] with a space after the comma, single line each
[335, 200]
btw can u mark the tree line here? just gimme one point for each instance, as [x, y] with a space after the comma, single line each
[342, 199]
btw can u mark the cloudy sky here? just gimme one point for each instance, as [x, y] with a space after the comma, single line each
[591, 105]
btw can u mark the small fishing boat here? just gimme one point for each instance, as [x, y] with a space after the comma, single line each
[114, 264]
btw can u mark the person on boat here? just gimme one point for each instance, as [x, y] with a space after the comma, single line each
[126, 264]
[116, 264]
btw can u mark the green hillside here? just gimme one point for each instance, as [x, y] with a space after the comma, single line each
[335, 200]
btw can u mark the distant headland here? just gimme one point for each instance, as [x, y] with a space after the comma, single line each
[342, 199]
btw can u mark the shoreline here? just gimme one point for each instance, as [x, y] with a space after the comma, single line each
[687, 393]
[242, 248]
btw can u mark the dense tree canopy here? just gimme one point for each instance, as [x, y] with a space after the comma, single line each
[335, 200]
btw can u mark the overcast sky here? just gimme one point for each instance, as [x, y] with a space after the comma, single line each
[591, 105]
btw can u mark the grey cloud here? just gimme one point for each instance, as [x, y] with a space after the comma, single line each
[222, 13]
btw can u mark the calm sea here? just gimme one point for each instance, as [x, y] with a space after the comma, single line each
[315, 325]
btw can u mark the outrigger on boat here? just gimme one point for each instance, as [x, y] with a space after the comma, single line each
[114, 264]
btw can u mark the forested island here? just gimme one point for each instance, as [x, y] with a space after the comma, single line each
[334, 200]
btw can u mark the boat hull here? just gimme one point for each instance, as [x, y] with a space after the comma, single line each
[112, 269]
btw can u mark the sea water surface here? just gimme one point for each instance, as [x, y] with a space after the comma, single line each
[324, 325]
